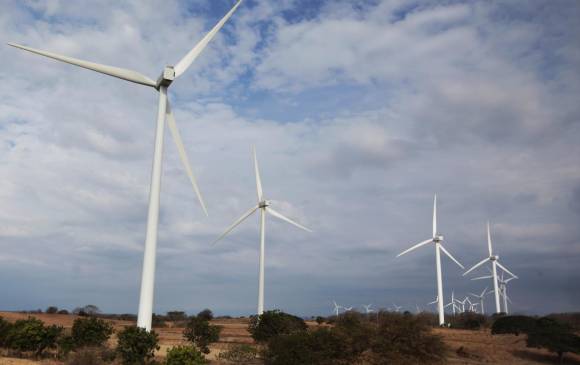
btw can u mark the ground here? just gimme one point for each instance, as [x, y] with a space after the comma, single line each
[466, 347]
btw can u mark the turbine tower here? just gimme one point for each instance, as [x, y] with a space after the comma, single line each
[481, 297]
[168, 75]
[265, 207]
[494, 259]
[436, 239]
[336, 308]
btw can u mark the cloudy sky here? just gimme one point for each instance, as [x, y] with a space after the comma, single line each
[360, 111]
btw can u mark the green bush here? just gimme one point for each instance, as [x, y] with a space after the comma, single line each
[185, 355]
[51, 310]
[206, 314]
[274, 323]
[65, 345]
[513, 325]
[90, 332]
[136, 346]
[239, 354]
[554, 336]
[467, 321]
[200, 333]
[5, 327]
[32, 335]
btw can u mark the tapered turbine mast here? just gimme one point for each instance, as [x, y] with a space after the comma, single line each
[494, 259]
[168, 75]
[436, 240]
[265, 207]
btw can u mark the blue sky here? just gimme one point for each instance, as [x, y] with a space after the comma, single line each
[360, 112]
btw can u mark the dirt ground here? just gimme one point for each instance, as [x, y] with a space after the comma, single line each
[466, 347]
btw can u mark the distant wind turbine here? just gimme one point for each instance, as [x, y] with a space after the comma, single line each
[453, 303]
[481, 297]
[397, 308]
[436, 239]
[336, 308]
[168, 75]
[367, 308]
[494, 259]
[265, 207]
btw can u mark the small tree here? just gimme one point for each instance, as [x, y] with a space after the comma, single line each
[176, 316]
[206, 314]
[51, 310]
[137, 346]
[32, 335]
[273, 323]
[513, 325]
[90, 331]
[200, 333]
[319, 320]
[554, 336]
[185, 355]
[5, 328]
[63, 311]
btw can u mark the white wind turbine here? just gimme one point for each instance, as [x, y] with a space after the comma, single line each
[367, 308]
[264, 207]
[336, 308]
[453, 303]
[169, 74]
[494, 264]
[436, 239]
[481, 297]
[502, 289]
[397, 308]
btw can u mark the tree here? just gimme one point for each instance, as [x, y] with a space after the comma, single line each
[176, 316]
[90, 331]
[513, 325]
[32, 335]
[5, 328]
[274, 323]
[87, 310]
[206, 314]
[200, 333]
[63, 311]
[319, 320]
[136, 346]
[553, 336]
[51, 310]
[185, 355]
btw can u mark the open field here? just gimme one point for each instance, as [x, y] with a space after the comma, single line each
[477, 347]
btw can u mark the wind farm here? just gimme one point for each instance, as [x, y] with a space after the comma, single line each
[347, 119]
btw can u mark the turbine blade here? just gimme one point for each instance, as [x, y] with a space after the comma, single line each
[451, 257]
[483, 292]
[188, 59]
[506, 270]
[120, 73]
[489, 240]
[416, 246]
[483, 277]
[258, 179]
[508, 299]
[476, 266]
[435, 215]
[183, 155]
[235, 224]
[280, 216]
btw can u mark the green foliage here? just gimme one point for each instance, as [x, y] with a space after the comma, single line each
[65, 345]
[467, 321]
[274, 323]
[319, 320]
[32, 335]
[5, 328]
[185, 355]
[571, 319]
[356, 331]
[239, 354]
[554, 336]
[91, 332]
[51, 310]
[205, 314]
[513, 325]
[200, 333]
[136, 346]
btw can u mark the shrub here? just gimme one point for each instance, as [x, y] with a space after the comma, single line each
[158, 321]
[468, 321]
[206, 314]
[356, 331]
[63, 311]
[51, 310]
[90, 332]
[185, 355]
[5, 327]
[85, 356]
[176, 316]
[555, 336]
[32, 335]
[319, 320]
[513, 325]
[273, 323]
[136, 346]
[200, 333]
[239, 354]
[65, 345]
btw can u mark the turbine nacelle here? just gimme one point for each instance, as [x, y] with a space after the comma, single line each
[493, 257]
[166, 77]
[264, 204]
[438, 238]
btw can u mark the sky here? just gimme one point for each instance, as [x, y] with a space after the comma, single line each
[360, 111]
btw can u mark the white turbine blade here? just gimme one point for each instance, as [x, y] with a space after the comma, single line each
[234, 225]
[183, 155]
[508, 280]
[280, 216]
[188, 59]
[506, 270]
[483, 277]
[451, 257]
[476, 266]
[508, 299]
[489, 240]
[258, 179]
[121, 73]
[416, 246]
[435, 215]
[483, 292]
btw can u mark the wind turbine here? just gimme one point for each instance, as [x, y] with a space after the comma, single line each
[452, 303]
[436, 239]
[481, 297]
[494, 259]
[265, 207]
[434, 302]
[367, 308]
[336, 308]
[502, 290]
[168, 75]
[397, 308]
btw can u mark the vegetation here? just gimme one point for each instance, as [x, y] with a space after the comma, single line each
[205, 314]
[239, 354]
[200, 333]
[468, 321]
[274, 323]
[5, 327]
[32, 335]
[513, 325]
[87, 310]
[136, 345]
[90, 332]
[554, 336]
[321, 346]
[51, 310]
[90, 356]
[319, 320]
[185, 355]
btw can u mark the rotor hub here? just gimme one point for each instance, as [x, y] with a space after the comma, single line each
[166, 77]
[438, 238]
[494, 257]
[264, 204]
